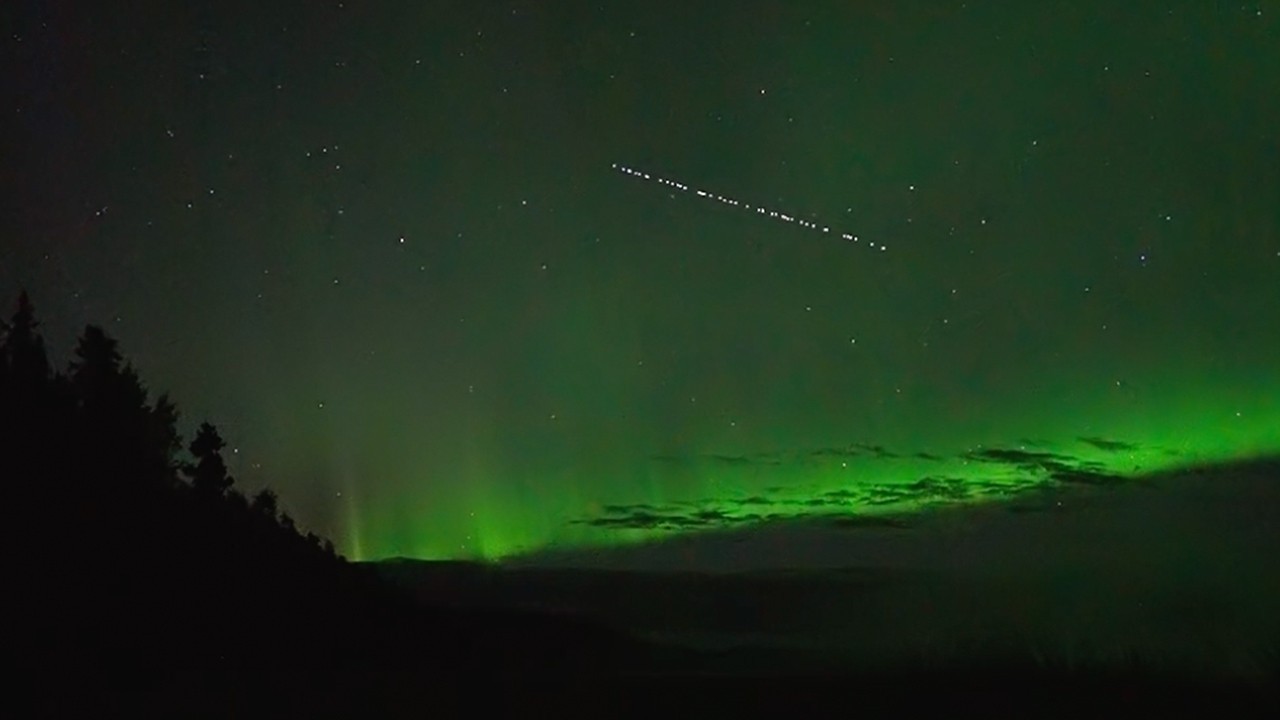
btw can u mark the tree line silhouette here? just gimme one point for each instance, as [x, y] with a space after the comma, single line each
[136, 557]
[139, 567]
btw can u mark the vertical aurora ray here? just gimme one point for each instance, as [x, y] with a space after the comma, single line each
[354, 544]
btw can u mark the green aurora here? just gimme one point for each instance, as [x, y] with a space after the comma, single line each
[389, 255]
[658, 496]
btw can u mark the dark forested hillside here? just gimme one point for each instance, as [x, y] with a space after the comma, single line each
[141, 568]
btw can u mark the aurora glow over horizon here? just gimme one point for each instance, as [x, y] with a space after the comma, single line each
[389, 253]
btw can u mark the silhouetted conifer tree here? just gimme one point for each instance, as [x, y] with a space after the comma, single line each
[26, 415]
[23, 358]
[208, 473]
[114, 421]
[31, 413]
[162, 441]
[95, 372]
[267, 504]
[24, 375]
[130, 573]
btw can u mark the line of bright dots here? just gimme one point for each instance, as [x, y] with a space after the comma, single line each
[758, 209]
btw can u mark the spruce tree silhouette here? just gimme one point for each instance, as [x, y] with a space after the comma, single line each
[162, 441]
[25, 362]
[27, 409]
[131, 579]
[96, 373]
[129, 566]
[28, 468]
[266, 504]
[208, 473]
[114, 422]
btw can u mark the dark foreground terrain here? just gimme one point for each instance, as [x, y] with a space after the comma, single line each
[929, 633]
[1165, 588]
[1177, 571]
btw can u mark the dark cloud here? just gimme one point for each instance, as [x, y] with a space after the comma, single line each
[885, 500]
[647, 517]
[877, 450]
[1026, 459]
[1040, 468]
[1057, 467]
[844, 452]
[1109, 445]
[732, 459]
[624, 509]
[942, 487]
[735, 460]
[843, 495]
[637, 519]
[992, 489]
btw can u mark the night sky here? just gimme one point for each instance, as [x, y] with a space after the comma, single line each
[466, 279]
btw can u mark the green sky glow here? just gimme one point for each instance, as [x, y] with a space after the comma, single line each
[389, 254]
[657, 496]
